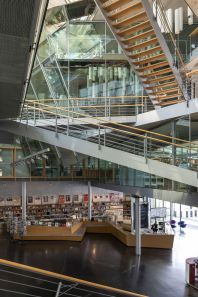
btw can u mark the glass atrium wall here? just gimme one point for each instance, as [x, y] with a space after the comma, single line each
[80, 65]
[79, 60]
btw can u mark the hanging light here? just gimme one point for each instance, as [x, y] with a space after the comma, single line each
[181, 18]
[190, 16]
[177, 21]
[169, 14]
[155, 8]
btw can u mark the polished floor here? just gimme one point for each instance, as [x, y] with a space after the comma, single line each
[103, 259]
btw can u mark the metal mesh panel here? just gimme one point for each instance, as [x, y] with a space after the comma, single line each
[16, 17]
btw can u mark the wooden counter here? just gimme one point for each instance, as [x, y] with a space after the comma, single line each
[78, 230]
[74, 233]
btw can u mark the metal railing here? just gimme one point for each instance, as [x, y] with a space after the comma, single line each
[20, 279]
[119, 136]
[108, 106]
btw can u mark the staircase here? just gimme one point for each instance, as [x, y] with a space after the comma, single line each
[133, 24]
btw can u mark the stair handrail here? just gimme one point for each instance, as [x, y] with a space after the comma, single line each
[160, 12]
[102, 120]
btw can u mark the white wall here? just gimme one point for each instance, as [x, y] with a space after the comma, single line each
[14, 188]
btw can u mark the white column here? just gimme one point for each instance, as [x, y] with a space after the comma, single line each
[137, 227]
[24, 201]
[89, 201]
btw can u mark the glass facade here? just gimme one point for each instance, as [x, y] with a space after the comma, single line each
[80, 66]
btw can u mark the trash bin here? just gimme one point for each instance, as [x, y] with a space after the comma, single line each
[191, 267]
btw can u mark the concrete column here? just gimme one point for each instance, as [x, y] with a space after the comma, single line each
[137, 227]
[24, 202]
[132, 215]
[89, 201]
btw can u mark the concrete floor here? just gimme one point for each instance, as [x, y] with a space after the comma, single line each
[103, 259]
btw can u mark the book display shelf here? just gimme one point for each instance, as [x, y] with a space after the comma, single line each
[58, 210]
[65, 217]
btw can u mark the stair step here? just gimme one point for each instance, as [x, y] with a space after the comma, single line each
[167, 91]
[127, 21]
[163, 78]
[150, 59]
[171, 102]
[129, 31]
[152, 67]
[142, 44]
[162, 86]
[157, 73]
[138, 36]
[162, 98]
[146, 52]
[133, 7]
[113, 4]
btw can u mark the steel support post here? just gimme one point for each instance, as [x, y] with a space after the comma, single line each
[132, 215]
[89, 201]
[24, 207]
[137, 227]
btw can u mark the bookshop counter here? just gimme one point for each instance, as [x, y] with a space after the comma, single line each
[77, 231]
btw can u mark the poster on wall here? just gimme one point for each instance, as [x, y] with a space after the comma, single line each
[9, 201]
[96, 198]
[37, 200]
[16, 201]
[67, 199]
[144, 214]
[116, 197]
[45, 200]
[52, 199]
[61, 199]
[2, 201]
[29, 200]
[106, 198]
[158, 212]
[85, 198]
